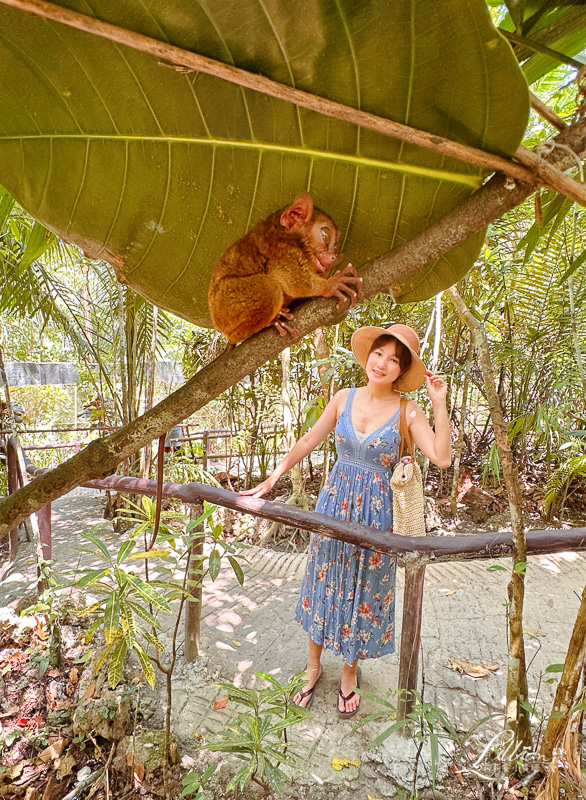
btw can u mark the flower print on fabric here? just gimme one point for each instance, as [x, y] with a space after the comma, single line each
[347, 599]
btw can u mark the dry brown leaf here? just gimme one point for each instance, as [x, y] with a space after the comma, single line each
[470, 669]
[17, 769]
[221, 703]
[65, 767]
[89, 692]
[41, 632]
[11, 711]
[200, 737]
[53, 751]
[137, 766]
[54, 672]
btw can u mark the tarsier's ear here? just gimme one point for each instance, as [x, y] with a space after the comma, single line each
[298, 213]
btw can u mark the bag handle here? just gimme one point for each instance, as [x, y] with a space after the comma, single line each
[404, 432]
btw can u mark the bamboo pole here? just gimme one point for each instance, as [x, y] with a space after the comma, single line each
[527, 172]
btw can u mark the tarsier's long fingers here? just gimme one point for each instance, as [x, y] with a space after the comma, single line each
[346, 285]
[285, 313]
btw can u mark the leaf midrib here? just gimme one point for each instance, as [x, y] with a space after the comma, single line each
[473, 181]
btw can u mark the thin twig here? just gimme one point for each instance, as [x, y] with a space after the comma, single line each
[546, 112]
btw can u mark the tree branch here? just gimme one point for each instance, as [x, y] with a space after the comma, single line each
[547, 113]
[195, 62]
[102, 456]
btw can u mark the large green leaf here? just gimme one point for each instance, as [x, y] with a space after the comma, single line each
[159, 172]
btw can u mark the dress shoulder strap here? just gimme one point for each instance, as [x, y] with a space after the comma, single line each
[348, 404]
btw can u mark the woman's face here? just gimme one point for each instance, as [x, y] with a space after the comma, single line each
[383, 367]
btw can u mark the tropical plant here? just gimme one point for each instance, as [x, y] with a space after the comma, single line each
[125, 598]
[194, 783]
[255, 737]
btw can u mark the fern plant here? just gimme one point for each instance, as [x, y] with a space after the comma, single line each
[560, 482]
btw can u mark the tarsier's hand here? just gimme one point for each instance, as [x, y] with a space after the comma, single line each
[346, 285]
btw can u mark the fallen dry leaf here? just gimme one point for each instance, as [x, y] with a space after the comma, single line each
[89, 692]
[200, 737]
[470, 669]
[237, 643]
[451, 592]
[53, 751]
[11, 711]
[537, 632]
[66, 766]
[53, 672]
[221, 703]
[370, 797]
[343, 763]
[137, 766]
[41, 632]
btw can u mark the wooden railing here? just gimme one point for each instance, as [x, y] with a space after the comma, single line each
[412, 553]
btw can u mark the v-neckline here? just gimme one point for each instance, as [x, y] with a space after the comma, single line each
[369, 435]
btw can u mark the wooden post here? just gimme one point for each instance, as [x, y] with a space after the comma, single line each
[44, 520]
[410, 637]
[12, 471]
[194, 587]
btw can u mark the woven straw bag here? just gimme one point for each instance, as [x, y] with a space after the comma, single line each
[407, 485]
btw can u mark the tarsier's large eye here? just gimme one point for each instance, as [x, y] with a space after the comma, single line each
[325, 235]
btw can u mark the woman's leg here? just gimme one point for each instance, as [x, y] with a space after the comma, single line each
[348, 684]
[312, 673]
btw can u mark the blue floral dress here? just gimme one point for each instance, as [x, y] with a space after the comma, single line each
[347, 598]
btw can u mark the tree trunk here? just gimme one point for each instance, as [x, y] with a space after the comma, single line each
[459, 446]
[565, 696]
[147, 453]
[404, 263]
[322, 352]
[298, 497]
[517, 720]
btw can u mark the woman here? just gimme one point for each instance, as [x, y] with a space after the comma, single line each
[346, 602]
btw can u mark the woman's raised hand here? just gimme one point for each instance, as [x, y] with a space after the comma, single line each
[259, 489]
[437, 388]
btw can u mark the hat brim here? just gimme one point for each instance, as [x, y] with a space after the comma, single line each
[363, 339]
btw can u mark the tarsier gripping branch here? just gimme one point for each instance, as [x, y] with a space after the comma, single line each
[283, 258]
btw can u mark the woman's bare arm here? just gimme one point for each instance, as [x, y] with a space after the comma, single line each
[434, 442]
[308, 442]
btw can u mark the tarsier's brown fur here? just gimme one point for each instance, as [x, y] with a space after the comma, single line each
[280, 259]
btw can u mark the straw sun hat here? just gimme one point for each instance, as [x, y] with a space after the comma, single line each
[363, 339]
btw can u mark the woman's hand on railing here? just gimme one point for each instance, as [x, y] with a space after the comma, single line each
[259, 489]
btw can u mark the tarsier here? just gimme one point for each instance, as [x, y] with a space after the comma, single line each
[281, 259]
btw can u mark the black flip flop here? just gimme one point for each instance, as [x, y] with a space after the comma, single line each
[346, 697]
[308, 693]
